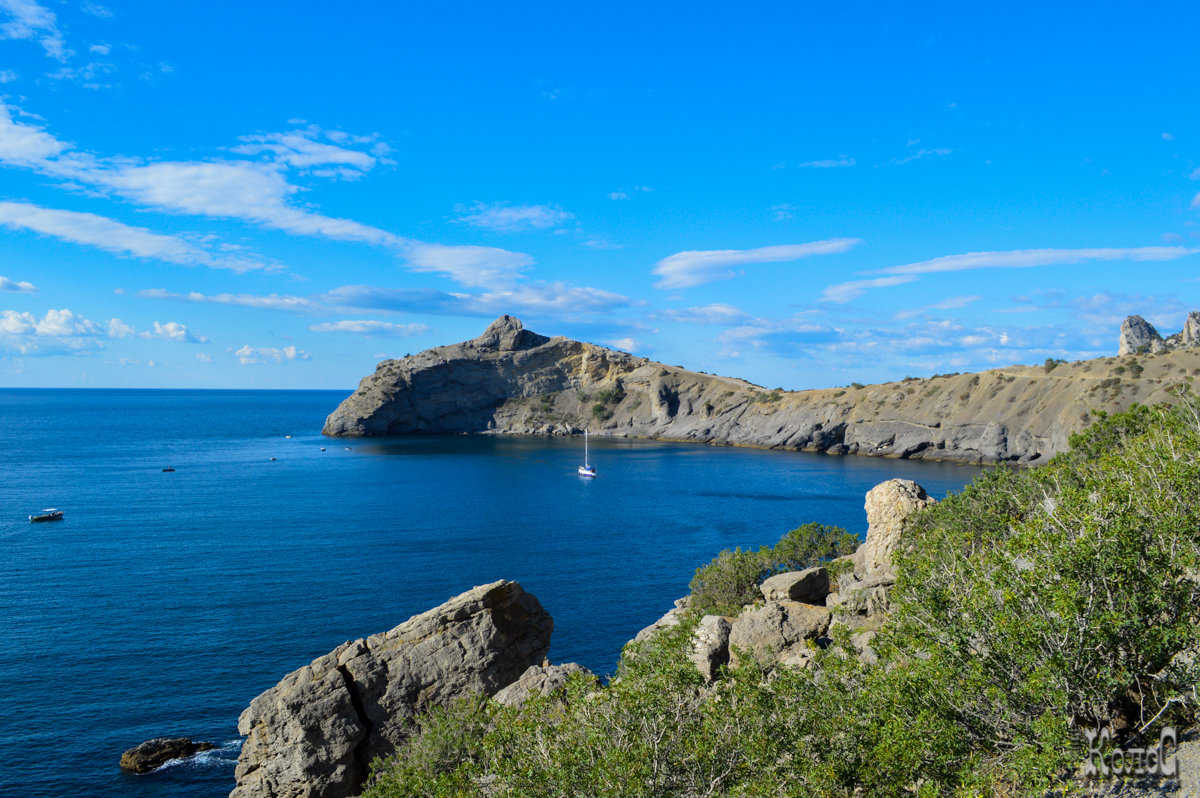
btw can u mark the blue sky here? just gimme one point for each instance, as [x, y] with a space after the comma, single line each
[278, 195]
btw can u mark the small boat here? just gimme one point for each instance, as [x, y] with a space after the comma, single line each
[168, 468]
[586, 470]
[49, 514]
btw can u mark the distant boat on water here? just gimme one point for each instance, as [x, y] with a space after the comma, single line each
[49, 514]
[586, 470]
[169, 468]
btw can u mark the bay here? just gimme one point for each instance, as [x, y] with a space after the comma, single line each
[165, 601]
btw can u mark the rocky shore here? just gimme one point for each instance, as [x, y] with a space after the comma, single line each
[510, 380]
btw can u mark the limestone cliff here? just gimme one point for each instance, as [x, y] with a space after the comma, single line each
[510, 380]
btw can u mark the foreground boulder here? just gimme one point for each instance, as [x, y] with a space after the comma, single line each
[315, 733]
[153, 754]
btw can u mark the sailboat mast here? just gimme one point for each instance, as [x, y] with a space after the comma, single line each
[585, 451]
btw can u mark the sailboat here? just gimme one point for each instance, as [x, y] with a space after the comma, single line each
[586, 470]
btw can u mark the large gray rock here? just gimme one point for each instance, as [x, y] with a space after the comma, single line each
[1139, 335]
[315, 733]
[889, 505]
[810, 586]
[765, 633]
[540, 680]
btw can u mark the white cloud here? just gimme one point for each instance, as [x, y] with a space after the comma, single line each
[1195, 202]
[486, 267]
[119, 329]
[100, 49]
[829, 163]
[204, 357]
[368, 327]
[304, 149]
[626, 344]
[250, 355]
[269, 302]
[1027, 258]
[174, 331]
[844, 292]
[96, 10]
[20, 287]
[618, 195]
[30, 20]
[559, 299]
[1195, 175]
[687, 269]
[920, 154]
[783, 211]
[59, 331]
[503, 217]
[120, 239]
[717, 313]
[7, 76]
[1168, 137]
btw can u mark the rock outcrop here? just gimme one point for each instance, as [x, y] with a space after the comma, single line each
[801, 608]
[1138, 336]
[315, 733]
[153, 754]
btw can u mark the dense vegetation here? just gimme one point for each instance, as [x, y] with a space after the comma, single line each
[1030, 605]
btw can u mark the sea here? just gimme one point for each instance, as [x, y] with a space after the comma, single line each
[165, 601]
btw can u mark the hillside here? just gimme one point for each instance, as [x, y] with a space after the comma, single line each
[512, 381]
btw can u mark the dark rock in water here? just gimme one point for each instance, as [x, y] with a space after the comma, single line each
[155, 753]
[315, 733]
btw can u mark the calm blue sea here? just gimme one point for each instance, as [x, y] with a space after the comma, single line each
[164, 602]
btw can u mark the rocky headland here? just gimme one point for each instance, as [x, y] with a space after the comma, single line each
[510, 380]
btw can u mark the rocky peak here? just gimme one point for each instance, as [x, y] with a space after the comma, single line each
[1139, 335]
[507, 334]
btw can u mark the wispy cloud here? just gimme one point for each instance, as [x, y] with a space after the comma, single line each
[687, 269]
[311, 148]
[1029, 258]
[367, 327]
[120, 239]
[828, 163]
[938, 152]
[472, 266]
[628, 193]
[19, 287]
[950, 303]
[30, 20]
[844, 292]
[293, 304]
[257, 355]
[716, 313]
[544, 299]
[508, 218]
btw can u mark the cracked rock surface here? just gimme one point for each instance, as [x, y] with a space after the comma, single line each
[315, 733]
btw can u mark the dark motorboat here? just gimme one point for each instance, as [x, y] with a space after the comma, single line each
[168, 468]
[49, 514]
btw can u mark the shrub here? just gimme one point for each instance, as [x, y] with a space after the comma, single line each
[601, 411]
